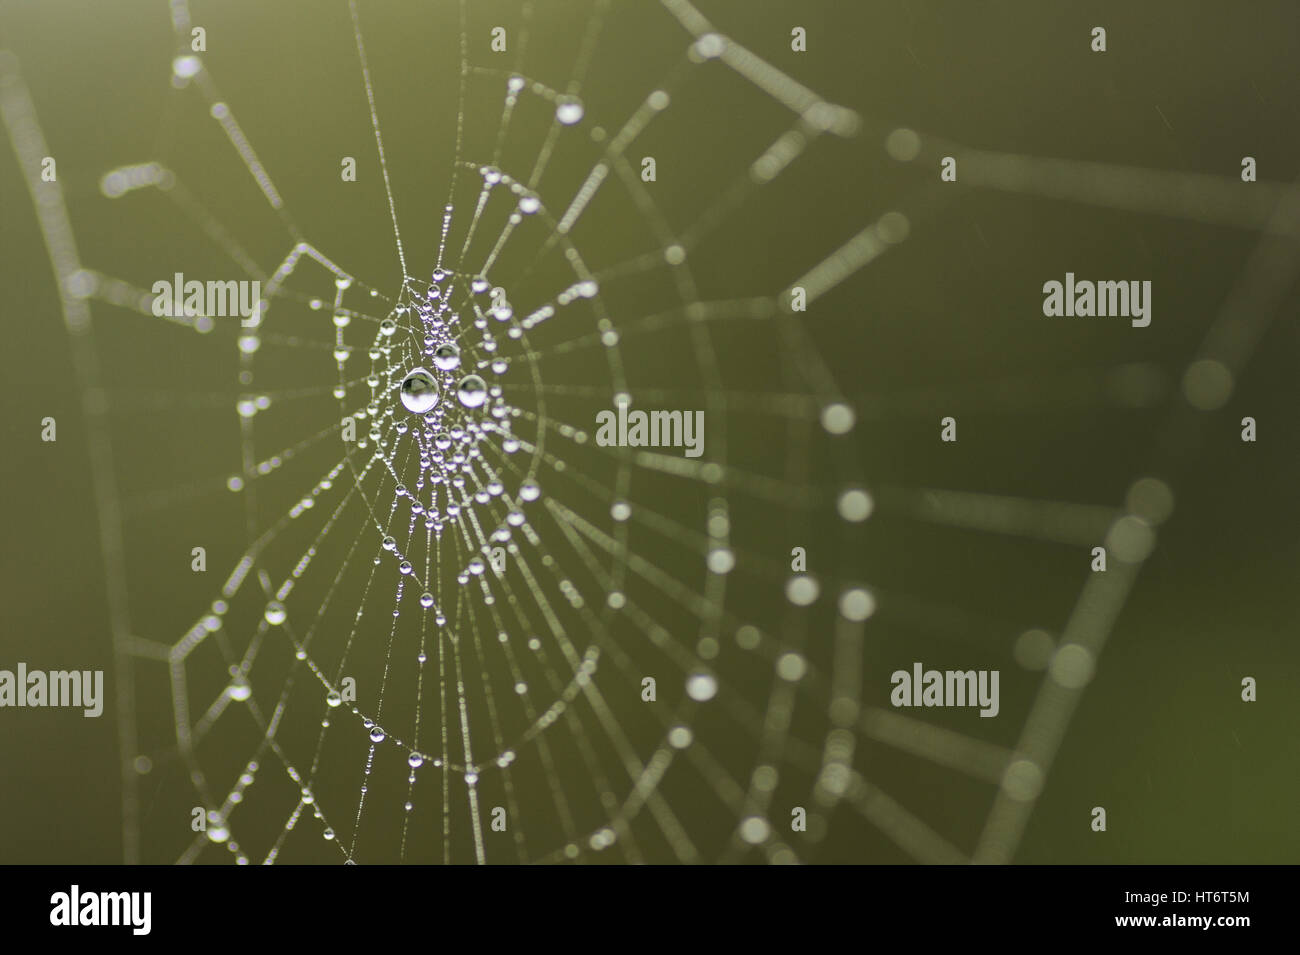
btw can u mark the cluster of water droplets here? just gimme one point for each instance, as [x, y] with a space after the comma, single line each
[427, 396]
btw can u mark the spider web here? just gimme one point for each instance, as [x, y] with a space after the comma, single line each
[497, 584]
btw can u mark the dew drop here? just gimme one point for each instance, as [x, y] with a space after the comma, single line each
[426, 599]
[529, 491]
[185, 67]
[333, 698]
[447, 357]
[377, 735]
[275, 613]
[415, 760]
[419, 392]
[386, 327]
[701, 687]
[472, 391]
[568, 111]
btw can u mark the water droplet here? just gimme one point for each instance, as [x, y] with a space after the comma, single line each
[701, 687]
[568, 111]
[426, 599]
[328, 834]
[386, 327]
[529, 491]
[390, 543]
[333, 698]
[721, 560]
[404, 567]
[479, 285]
[186, 67]
[240, 689]
[447, 357]
[472, 391]
[377, 735]
[415, 760]
[275, 613]
[342, 319]
[529, 204]
[419, 391]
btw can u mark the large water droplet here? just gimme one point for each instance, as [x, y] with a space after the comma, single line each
[472, 391]
[275, 613]
[333, 697]
[387, 326]
[701, 687]
[447, 357]
[568, 111]
[419, 392]
[377, 735]
[186, 67]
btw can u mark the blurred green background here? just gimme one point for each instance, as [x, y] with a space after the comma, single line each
[949, 322]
